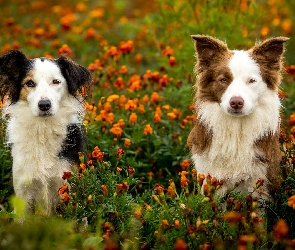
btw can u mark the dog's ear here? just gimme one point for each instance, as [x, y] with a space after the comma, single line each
[270, 52]
[13, 67]
[78, 78]
[208, 49]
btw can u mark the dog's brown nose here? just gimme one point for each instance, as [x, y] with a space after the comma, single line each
[44, 104]
[236, 102]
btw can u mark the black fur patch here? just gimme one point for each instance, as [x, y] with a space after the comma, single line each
[74, 143]
[13, 68]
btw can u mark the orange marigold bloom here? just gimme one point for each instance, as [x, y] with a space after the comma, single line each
[155, 77]
[113, 51]
[166, 107]
[121, 188]
[148, 130]
[65, 50]
[157, 118]
[135, 86]
[168, 51]
[201, 178]
[133, 118]
[165, 224]
[155, 98]
[177, 224]
[126, 47]
[97, 154]
[145, 99]
[185, 164]
[180, 245]
[137, 213]
[141, 109]
[119, 153]
[158, 111]
[121, 123]
[291, 201]
[82, 166]
[130, 105]
[119, 83]
[194, 173]
[116, 130]
[123, 70]
[127, 143]
[233, 217]
[65, 198]
[159, 189]
[112, 98]
[171, 116]
[130, 170]
[64, 188]
[171, 192]
[292, 119]
[110, 118]
[107, 107]
[184, 181]
[280, 230]
[172, 61]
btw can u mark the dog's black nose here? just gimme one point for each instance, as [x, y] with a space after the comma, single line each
[236, 102]
[44, 104]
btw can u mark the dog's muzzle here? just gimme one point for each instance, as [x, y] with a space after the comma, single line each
[44, 105]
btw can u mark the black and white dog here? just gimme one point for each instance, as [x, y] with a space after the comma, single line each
[44, 115]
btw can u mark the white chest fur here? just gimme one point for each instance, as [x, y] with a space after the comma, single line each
[232, 156]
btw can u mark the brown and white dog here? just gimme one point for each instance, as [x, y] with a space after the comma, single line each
[235, 137]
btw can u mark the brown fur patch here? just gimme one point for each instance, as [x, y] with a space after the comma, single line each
[268, 54]
[272, 157]
[25, 90]
[199, 139]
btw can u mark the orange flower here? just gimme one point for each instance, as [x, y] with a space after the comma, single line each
[185, 164]
[183, 180]
[64, 188]
[172, 61]
[130, 170]
[65, 50]
[148, 130]
[165, 224]
[130, 105]
[111, 118]
[155, 77]
[158, 111]
[145, 99]
[127, 143]
[194, 174]
[113, 51]
[166, 107]
[201, 178]
[82, 166]
[233, 217]
[159, 189]
[280, 230]
[121, 123]
[141, 109]
[155, 98]
[137, 213]
[119, 153]
[168, 51]
[126, 47]
[119, 83]
[157, 118]
[171, 192]
[65, 198]
[112, 98]
[291, 201]
[292, 119]
[177, 224]
[116, 130]
[121, 188]
[133, 118]
[171, 116]
[107, 107]
[180, 245]
[97, 154]
[123, 70]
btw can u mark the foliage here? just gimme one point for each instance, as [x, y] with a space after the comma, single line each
[138, 189]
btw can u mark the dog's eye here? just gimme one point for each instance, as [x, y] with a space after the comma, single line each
[55, 81]
[223, 80]
[251, 81]
[30, 84]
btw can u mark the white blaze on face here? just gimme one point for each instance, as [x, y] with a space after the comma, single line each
[242, 95]
[50, 85]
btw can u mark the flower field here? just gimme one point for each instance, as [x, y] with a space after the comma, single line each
[138, 189]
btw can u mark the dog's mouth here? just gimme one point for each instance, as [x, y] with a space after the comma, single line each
[45, 113]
